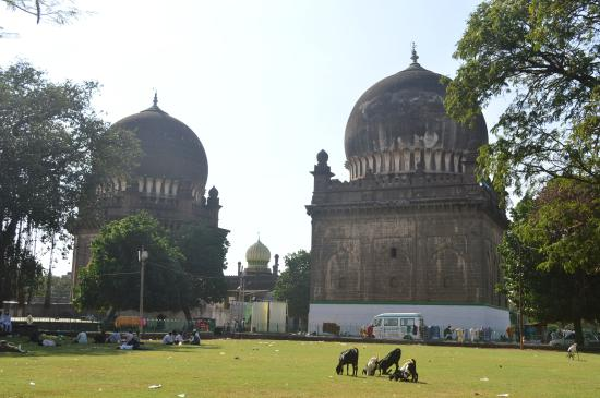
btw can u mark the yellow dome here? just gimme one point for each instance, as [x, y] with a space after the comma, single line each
[258, 255]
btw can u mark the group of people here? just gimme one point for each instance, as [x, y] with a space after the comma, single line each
[128, 341]
[176, 338]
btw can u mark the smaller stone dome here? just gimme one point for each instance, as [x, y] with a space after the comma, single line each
[258, 255]
[213, 192]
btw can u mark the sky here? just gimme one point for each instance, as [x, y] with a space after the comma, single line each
[264, 84]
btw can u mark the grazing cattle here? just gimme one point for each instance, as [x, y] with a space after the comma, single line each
[371, 367]
[393, 357]
[348, 357]
[409, 369]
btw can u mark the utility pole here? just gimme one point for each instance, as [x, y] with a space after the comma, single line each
[521, 326]
[521, 276]
[142, 256]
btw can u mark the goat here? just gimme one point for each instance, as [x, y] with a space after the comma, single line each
[409, 369]
[348, 357]
[393, 357]
[371, 367]
[572, 351]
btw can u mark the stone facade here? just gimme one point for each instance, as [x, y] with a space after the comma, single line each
[418, 238]
[412, 226]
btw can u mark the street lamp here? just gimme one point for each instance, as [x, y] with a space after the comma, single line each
[142, 256]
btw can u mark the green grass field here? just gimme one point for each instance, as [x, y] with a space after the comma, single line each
[261, 368]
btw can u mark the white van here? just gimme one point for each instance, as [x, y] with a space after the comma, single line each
[398, 326]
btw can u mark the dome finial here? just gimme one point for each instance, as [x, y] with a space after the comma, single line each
[414, 57]
[155, 99]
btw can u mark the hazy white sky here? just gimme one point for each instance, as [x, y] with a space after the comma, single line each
[264, 84]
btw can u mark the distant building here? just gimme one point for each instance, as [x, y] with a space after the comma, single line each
[169, 183]
[256, 281]
[412, 230]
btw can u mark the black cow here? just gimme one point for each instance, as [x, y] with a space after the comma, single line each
[348, 357]
[392, 358]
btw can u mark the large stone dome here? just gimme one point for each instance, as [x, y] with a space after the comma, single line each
[400, 125]
[171, 149]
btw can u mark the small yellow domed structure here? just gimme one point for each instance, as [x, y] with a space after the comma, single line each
[258, 256]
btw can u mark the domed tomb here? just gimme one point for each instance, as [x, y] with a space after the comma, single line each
[172, 151]
[169, 183]
[400, 125]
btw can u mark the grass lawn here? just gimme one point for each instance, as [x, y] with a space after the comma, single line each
[260, 368]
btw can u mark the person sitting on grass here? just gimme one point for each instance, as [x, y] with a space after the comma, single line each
[135, 342]
[46, 340]
[6, 346]
[114, 337]
[168, 339]
[128, 336]
[195, 340]
[81, 338]
[101, 337]
[178, 339]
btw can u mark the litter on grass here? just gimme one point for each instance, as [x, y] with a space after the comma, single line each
[502, 395]
[181, 395]
[153, 386]
[484, 379]
[31, 383]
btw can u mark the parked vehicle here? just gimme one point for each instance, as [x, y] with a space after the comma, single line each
[590, 340]
[398, 326]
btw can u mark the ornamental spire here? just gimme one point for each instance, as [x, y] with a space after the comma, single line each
[155, 99]
[414, 57]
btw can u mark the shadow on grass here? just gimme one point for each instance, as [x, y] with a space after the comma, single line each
[71, 349]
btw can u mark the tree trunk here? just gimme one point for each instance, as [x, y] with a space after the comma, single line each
[109, 320]
[578, 331]
[578, 304]
[188, 314]
[48, 288]
[7, 237]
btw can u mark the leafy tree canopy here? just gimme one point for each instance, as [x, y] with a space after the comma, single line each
[544, 55]
[205, 251]
[112, 279]
[551, 255]
[293, 285]
[54, 150]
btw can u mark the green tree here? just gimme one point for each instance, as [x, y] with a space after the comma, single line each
[54, 151]
[551, 254]
[112, 279]
[205, 251]
[28, 272]
[543, 54]
[293, 285]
